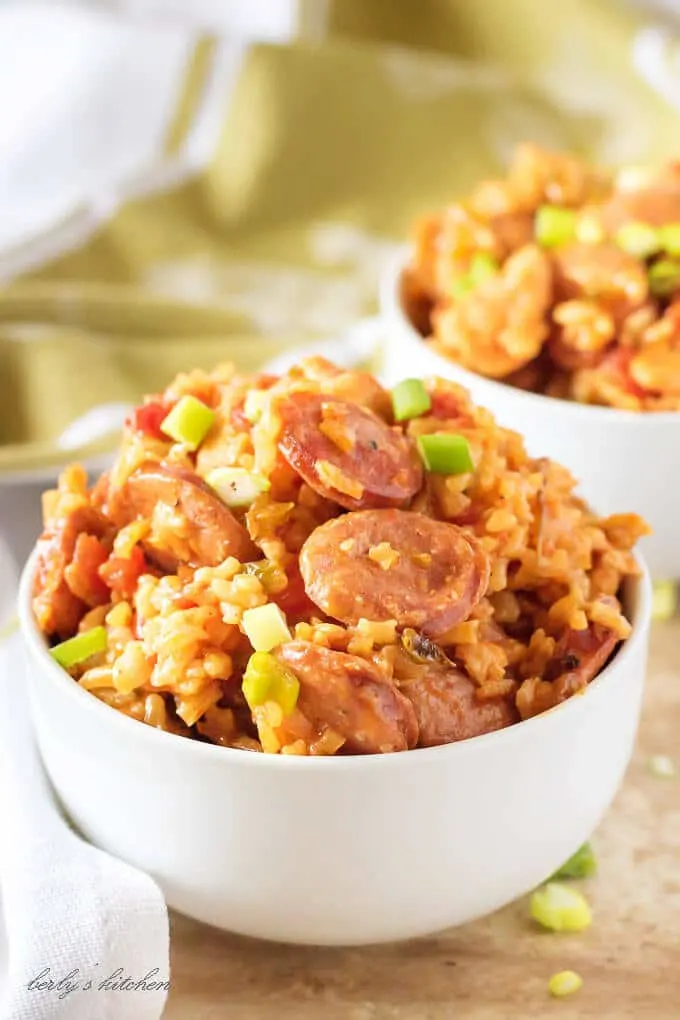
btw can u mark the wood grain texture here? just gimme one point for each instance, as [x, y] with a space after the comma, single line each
[495, 969]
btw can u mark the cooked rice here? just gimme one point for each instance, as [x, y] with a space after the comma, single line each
[577, 321]
[176, 646]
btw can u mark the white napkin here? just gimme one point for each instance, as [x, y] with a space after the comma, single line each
[88, 935]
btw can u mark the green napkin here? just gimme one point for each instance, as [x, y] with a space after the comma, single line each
[327, 153]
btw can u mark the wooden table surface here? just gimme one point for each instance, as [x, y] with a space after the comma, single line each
[496, 968]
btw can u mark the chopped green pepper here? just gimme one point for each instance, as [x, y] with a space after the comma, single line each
[638, 239]
[265, 679]
[446, 454]
[80, 648]
[554, 225]
[670, 238]
[664, 277]
[410, 399]
[265, 627]
[482, 266]
[237, 487]
[461, 286]
[189, 422]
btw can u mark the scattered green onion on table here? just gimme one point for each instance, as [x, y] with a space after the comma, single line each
[565, 982]
[581, 864]
[560, 907]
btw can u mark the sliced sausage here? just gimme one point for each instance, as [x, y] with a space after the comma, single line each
[353, 697]
[213, 531]
[394, 565]
[656, 206]
[346, 452]
[447, 707]
[601, 271]
[579, 657]
[58, 609]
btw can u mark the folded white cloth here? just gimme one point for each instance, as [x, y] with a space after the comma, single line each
[88, 934]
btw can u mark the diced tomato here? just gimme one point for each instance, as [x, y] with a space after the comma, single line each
[445, 405]
[121, 573]
[82, 574]
[148, 418]
[100, 491]
[617, 366]
[263, 381]
[293, 600]
[207, 392]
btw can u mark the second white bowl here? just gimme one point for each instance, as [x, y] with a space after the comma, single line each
[624, 461]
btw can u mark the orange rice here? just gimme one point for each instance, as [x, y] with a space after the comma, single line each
[558, 278]
[176, 644]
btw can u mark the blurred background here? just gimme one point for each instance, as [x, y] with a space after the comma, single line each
[180, 178]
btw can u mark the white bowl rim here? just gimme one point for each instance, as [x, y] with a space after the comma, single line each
[128, 727]
[391, 307]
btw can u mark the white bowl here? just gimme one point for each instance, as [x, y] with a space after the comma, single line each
[624, 461]
[347, 850]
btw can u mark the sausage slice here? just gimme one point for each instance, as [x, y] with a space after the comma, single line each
[213, 531]
[579, 656]
[58, 608]
[394, 565]
[346, 452]
[448, 709]
[601, 270]
[655, 206]
[353, 697]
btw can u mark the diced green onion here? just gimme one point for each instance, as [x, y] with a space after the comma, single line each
[446, 454]
[410, 399]
[254, 405]
[582, 864]
[554, 225]
[482, 266]
[461, 286]
[237, 487]
[271, 576]
[661, 766]
[265, 679]
[560, 908]
[80, 648]
[589, 230]
[565, 982]
[664, 277]
[638, 239]
[670, 238]
[265, 627]
[189, 422]
[664, 600]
